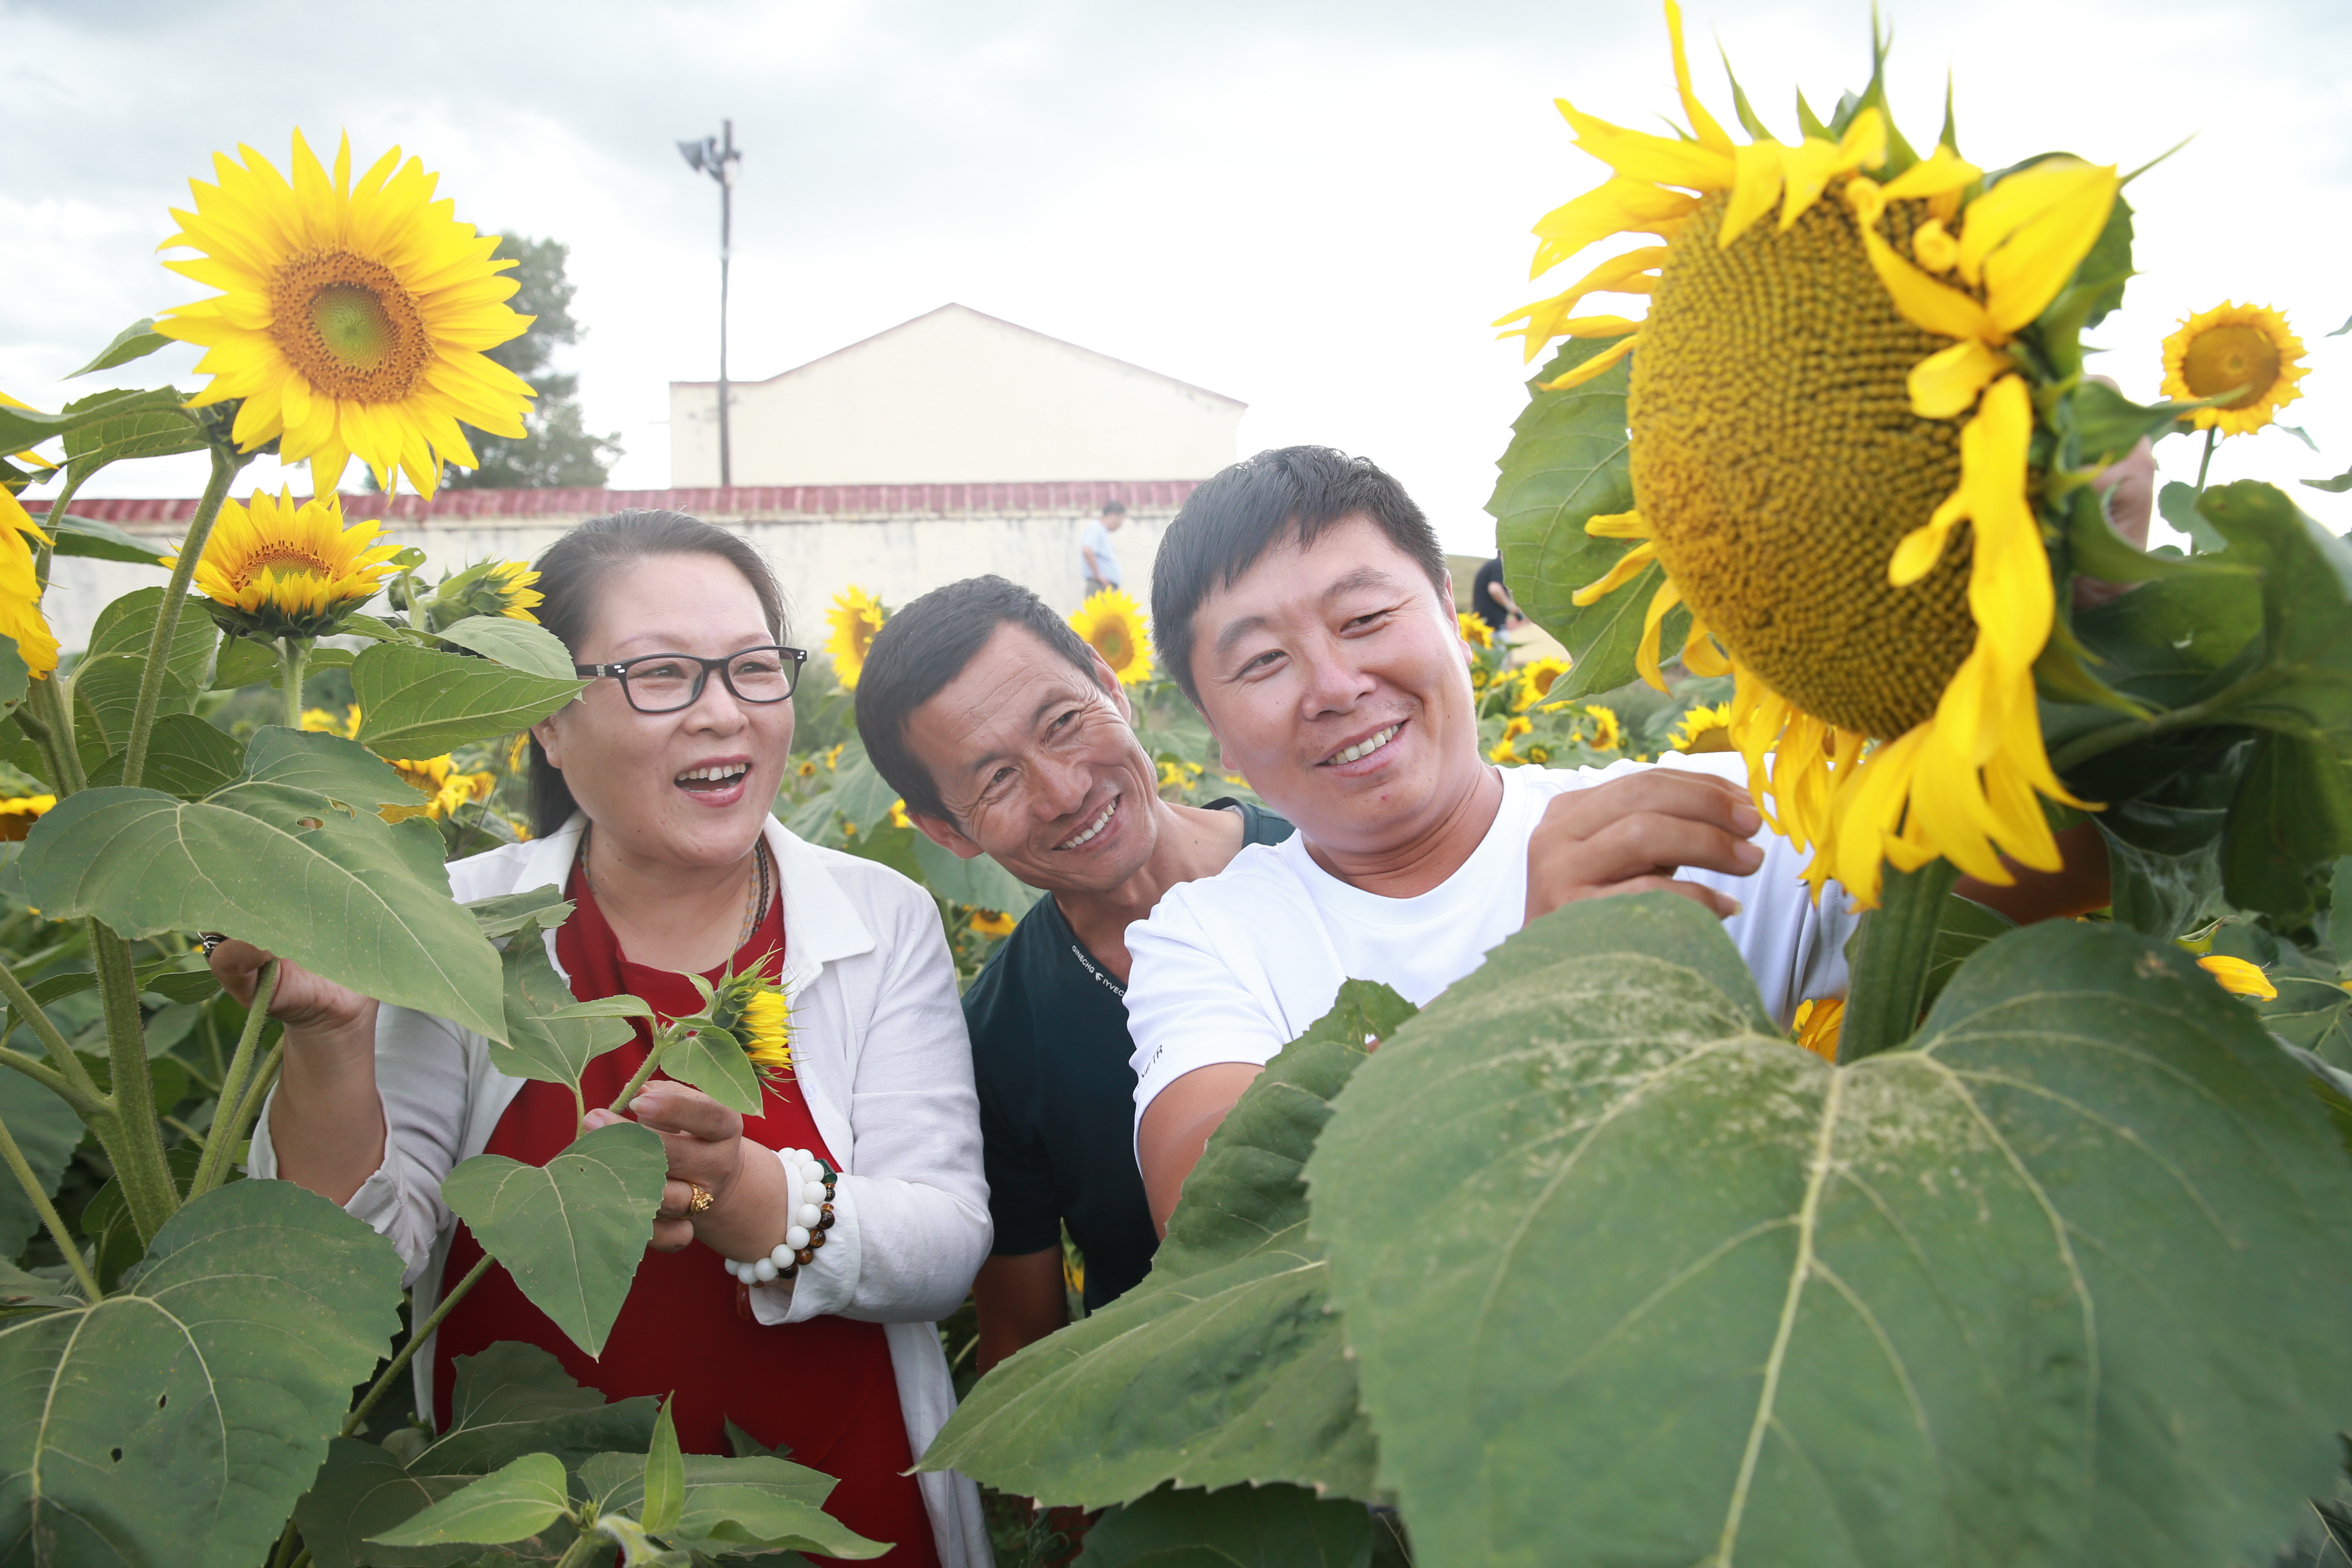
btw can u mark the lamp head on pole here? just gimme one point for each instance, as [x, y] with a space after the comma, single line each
[708, 156]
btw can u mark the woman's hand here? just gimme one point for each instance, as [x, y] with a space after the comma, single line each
[707, 1149]
[327, 1120]
[306, 1003]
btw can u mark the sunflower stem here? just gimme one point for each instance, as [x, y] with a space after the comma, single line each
[87, 1106]
[50, 704]
[662, 1043]
[34, 1016]
[57, 509]
[416, 1337]
[213, 1168]
[1893, 953]
[137, 1145]
[2212, 435]
[291, 652]
[225, 464]
[16, 1160]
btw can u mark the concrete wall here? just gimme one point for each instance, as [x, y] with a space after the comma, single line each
[955, 396]
[896, 557]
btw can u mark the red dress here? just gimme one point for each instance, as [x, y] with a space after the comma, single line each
[824, 1388]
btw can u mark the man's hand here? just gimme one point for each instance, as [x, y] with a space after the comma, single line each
[1021, 1299]
[1631, 835]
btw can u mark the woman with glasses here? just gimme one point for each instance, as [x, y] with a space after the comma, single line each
[650, 798]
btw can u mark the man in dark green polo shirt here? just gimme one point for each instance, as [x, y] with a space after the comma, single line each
[1009, 736]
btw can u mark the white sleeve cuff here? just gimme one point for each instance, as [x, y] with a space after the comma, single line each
[826, 1284]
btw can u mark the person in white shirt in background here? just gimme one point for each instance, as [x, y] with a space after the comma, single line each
[1097, 562]
[1302, 600]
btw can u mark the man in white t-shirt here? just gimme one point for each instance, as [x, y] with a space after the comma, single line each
[1302, 600]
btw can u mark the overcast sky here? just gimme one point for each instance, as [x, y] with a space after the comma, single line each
[1314, 207]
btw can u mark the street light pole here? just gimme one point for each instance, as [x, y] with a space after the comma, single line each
[716, 157]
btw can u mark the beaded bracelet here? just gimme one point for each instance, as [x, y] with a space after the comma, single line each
[812, 1184]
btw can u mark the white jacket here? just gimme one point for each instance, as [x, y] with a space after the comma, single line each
[879, 1049]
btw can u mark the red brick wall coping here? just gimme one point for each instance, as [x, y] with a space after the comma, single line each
[739, 503]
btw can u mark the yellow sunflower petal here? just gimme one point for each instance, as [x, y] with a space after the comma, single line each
[1618, 206]
[1936, 307]
[1938, 173]
[1638, 156]
[1632, 273]
[2239, 977]
[1628, 566]
[1944, 385]
[1711, 134]
[1617, 525]
[2023, 239]
[1591, 369]
[1808, 167]
[1757, 173]
[1654, 620]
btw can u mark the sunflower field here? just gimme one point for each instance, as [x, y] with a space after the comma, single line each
[204, 1368]
[2033, 1248]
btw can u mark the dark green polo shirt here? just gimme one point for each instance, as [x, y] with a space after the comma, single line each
[1050, 1049]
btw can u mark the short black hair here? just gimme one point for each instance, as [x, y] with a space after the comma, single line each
[1114, 508]
[1233, 519]
[575, 566]
[922, 648]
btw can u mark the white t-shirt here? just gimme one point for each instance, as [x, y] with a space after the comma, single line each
[1097, 539]
[1233, 967]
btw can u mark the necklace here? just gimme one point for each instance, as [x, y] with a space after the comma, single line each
[762, 889]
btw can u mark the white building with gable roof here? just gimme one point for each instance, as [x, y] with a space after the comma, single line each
[955, 397]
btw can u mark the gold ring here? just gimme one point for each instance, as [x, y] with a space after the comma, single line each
[702, 1199]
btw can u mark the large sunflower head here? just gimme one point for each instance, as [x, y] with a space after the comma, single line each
[1111, 623]
[854, 617]
[2247, 348]
[352, 317]
[276, 567]
[21, 620]
[1832, 406]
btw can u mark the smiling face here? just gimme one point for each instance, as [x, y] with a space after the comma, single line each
[690, 788]
[1040, 766]
[1335, 679]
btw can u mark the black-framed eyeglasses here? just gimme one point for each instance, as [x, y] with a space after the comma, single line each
[667, 682]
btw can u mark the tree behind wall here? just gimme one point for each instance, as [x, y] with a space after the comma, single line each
[558, 450]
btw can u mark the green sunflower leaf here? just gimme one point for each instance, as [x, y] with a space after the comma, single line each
[185, 757]
[1664, 1285]
[540, 1044]
[736, 1506]
[419, 703]
[712, 1061]
[178, 1420]
[542, 908]
[99, 540]
[22, 427]
[1226, 1365]
[291, 855]
[979, 881]
[46, 1130]
[509, 1504]
[150, 430]
[136, 340]
[1568, 461]
[571, 1232]
[2336, 486]
[518, 644]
